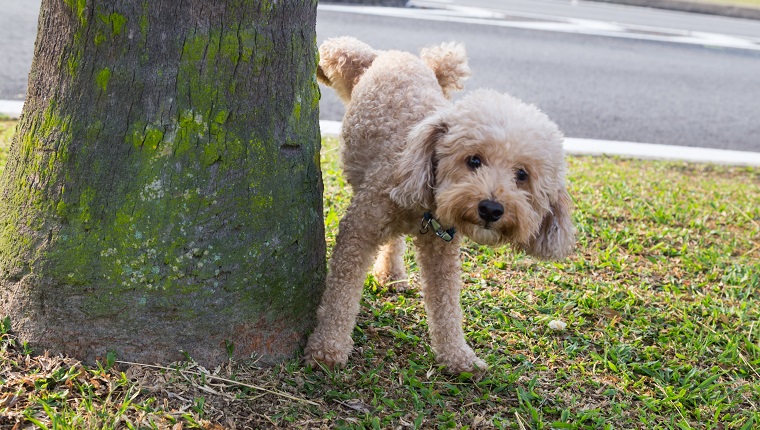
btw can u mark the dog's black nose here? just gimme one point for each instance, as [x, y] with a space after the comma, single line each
[490, 210]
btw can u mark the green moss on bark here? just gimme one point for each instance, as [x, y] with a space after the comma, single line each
[102, 79]
[79, 9]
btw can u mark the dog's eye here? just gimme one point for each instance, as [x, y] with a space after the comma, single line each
[521, 175]
[474, 162]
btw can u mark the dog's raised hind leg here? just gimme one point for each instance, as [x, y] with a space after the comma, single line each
[389, 269]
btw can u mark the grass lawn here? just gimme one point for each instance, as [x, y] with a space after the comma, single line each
[6, 133]
[661, 301]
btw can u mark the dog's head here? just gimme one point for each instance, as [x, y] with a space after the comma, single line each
[493, 167]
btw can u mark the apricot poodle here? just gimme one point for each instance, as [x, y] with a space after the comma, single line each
[488, 167]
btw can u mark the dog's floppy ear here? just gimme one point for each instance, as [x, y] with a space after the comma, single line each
[556, 236]
[414, 178]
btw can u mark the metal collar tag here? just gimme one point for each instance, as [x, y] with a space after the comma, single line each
[429, 222]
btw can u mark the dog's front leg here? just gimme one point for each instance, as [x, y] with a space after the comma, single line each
[355, 246]
[440, 274]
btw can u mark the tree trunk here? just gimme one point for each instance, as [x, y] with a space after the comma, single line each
[163, 191]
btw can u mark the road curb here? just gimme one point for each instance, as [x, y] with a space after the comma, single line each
[11, 108]
[644, 151]
[654, 151]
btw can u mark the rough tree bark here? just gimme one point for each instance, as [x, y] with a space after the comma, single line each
[163, 191]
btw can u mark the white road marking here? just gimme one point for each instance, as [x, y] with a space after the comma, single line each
[471, 15]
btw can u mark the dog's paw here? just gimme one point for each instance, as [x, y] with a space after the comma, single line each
[458, 364]
[320, 352]
[393, 281]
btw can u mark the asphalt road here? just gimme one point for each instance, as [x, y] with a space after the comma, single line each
[593, 86]
[18, 29]
[608, 12]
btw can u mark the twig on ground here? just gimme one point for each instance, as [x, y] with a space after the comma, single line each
[229, 381]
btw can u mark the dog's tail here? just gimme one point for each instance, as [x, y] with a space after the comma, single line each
[449, 63]
[342, 61]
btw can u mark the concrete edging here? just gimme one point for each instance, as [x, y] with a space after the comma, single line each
[11, 108]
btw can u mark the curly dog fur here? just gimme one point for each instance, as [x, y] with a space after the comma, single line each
[488, 165]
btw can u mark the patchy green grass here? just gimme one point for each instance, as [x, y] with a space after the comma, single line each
[661, 301]
[7, 128]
